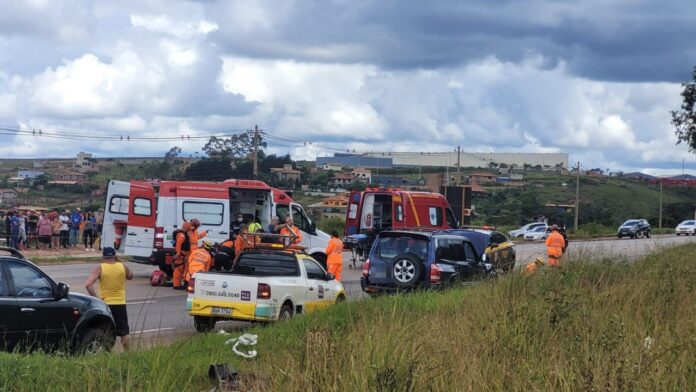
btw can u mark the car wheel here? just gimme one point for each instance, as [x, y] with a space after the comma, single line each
[407, 270]
[96, 340]
[285, 313]
[620, 236]
[341, 298]
[647, 234]
[678, 234]
[203, 324]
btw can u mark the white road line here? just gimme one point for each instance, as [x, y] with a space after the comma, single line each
[141, 302]
[153, 330]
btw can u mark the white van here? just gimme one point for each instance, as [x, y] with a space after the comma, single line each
[140, 217]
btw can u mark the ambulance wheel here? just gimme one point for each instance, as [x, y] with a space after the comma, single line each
[203, 324]
[285, 312]
[321, 258]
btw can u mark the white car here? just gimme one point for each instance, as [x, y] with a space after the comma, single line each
[264, 285]
[687, 227]
[538, 234]
[526, 228]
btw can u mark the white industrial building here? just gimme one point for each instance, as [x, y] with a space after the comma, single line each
[474, 159]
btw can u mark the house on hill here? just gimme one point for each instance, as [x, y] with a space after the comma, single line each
[342, 180]
[331, 207]
[29, 174]
[69, 177]
[285, 173]
[481, 177]
[7, 196]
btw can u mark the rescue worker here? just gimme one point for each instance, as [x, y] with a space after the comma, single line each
[200, 259]
[194, 235]
[243, 240]
[237, 225]
[334, 253]
[224, 256]
[532, 267]
[554, 247]
[291, 230]
[182, 249]
[254, 226]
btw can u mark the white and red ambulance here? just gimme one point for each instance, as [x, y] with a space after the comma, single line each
[140, 217]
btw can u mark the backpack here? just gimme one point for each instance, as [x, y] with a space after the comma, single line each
[157, 278]
[186, 246]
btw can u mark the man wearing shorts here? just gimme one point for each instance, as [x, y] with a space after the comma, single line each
[112, 276]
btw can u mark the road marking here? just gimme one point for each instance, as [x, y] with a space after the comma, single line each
[141, 302]
[153, 330]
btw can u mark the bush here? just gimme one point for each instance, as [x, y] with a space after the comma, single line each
[327, 225]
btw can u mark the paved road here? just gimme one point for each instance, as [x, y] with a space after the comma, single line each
[161, 310]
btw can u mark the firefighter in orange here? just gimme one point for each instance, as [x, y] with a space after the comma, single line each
[182, 248]
[291, 230]
[334, 253]
[200, 259]
[224, 256]
[194, 235]
[555, 244]
[243, 240]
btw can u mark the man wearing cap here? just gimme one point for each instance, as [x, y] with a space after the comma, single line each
[194, 235]
[112, 276]
[554, 247]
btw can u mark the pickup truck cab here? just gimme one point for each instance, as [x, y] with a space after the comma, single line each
[264, 285]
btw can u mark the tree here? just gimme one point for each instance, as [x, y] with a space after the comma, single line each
[233, 147]
[684, 120]
[210, 170]
[172, 154]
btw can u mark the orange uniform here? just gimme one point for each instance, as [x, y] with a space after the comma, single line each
[199, 260]
[334, 260]
[194, 237]
[181, 255]
[289, 231]
[554, 248]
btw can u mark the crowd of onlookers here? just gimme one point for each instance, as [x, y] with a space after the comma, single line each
[53, 229]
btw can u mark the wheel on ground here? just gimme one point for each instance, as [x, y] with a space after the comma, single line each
[647, 234]
[96, 340]
[285, 312]
[203, 324]
[679, 234]
[620, 236]
[341, 298]
[321, 258]
[407, 270]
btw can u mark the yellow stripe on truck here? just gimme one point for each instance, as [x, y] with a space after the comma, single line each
[240, 310]
[413, 207]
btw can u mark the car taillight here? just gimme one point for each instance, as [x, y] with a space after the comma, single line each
[191, 285]
[159, 237]
[366, 268]
[435, 274]
[263, 291]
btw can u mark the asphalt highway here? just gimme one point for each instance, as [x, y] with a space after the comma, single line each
[156, 312]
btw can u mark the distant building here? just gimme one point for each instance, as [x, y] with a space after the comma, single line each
[342, 180]
[332, 166]
[285, 173]
[84, 160]
[29, 174]
[69, 177]
[362, 175]
[396, 181]
[7, 196]
[480, 178]
[354, 160]
[331, 207]
[638, 176]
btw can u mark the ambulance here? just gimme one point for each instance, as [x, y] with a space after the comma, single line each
[377, 209]
[141, 217]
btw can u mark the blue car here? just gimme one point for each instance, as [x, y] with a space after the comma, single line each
[409, 259]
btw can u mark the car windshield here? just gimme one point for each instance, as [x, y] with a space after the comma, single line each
[689, 223]
[394, 245]
[540, 229]
[630, 223]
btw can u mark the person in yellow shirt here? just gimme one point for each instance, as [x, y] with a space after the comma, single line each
[112, 276]
[334, 255]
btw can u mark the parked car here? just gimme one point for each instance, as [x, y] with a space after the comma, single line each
[264, 285]
[538, 234]
[687, 227]
[634, 228]
[38, 313]
[526, 228]
[410, 259]
[493, 246]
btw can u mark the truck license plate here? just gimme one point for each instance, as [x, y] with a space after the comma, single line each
[221, 311]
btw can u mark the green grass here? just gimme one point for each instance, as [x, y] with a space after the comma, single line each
[605, 326]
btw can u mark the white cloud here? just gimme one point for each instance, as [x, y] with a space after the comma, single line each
[177, 28]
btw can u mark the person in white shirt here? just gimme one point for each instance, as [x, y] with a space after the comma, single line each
[64, 229]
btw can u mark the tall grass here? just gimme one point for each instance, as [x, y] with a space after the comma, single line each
[603, 325]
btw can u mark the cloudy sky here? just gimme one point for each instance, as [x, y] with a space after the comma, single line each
[592, 78]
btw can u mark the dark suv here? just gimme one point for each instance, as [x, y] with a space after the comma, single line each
[405, 259]
[634, 228]
[38, 313]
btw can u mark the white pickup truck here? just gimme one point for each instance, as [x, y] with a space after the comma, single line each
[264, 285]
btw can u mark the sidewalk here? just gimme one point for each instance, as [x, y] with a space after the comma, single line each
[77, 252]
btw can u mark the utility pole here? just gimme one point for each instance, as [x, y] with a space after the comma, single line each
[459, 157]
[256, 151]
[659, 219]
[577, 198]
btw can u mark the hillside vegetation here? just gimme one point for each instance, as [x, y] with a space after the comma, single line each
[605, 326]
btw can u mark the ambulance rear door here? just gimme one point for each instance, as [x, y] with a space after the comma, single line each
[353, 214]
[115, 213]
[210, 204]
[142, 211]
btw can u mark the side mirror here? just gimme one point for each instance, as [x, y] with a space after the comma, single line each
[313, 227]
[61, 291]
[330, 276]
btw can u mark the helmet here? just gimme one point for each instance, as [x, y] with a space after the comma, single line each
[207, 245]
[195, 222]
